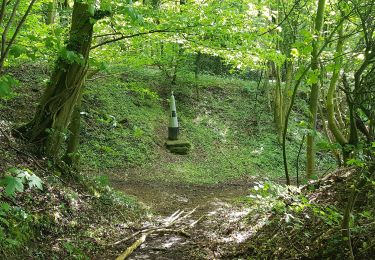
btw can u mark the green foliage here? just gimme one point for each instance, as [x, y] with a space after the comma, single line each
[291, 203]
[14, 180]
[15, 227]
[74, 251]
[6, 84]
[71, 56]
[17, 50]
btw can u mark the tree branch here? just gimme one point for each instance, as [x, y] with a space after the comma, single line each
[135, 35]
[18, 28]
[296, 3]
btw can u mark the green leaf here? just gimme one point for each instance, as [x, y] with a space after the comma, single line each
[49, 42]
[91, 9]
[35, 181]
[71, 56]
[138, 132]
[6, 84]
[4, 207]
[313, 77]
[12, 184]
[17, 51]
[355, 162]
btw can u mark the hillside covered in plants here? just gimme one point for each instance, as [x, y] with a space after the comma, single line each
[190, 129]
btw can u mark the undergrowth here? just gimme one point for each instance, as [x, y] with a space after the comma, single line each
[306, 222]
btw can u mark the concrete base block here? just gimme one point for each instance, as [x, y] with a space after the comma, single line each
[178, 146]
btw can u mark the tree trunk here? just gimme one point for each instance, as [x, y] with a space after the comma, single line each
[339, 136]
[279, 105]
[288, 84]
[314, 95]
[52, 118]
[71, 156]
[266, 87]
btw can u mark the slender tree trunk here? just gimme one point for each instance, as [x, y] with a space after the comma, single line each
[338, 107]
[335, 152]
[7, 44]
[314, 95]
[288, 84]
[353, 134]
[339, 136]
[266, 87]
[52, 118]
[278, 101]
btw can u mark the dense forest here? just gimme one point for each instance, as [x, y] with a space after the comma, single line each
[187, 129]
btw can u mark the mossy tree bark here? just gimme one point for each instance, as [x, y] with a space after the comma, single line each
[314, 95]
[54, 113]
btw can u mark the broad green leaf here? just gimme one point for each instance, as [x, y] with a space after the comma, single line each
[35, 181]
[12, 185]
[91, 9]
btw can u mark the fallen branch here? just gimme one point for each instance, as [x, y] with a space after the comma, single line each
[173, 219]
[133, 247]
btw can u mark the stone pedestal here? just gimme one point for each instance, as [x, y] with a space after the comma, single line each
[178, 146]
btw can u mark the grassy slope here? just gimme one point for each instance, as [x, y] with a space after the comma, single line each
[126, 119]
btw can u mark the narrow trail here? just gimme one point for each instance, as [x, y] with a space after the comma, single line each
[213, 231]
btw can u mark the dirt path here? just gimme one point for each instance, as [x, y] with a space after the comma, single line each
[221, 226]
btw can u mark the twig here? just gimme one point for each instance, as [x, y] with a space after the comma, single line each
[197, 221]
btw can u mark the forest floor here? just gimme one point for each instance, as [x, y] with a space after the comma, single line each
[212, 221]
[214, 228]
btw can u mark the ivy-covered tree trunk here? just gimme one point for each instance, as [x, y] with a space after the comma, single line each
[54, 113]
[314, 95]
